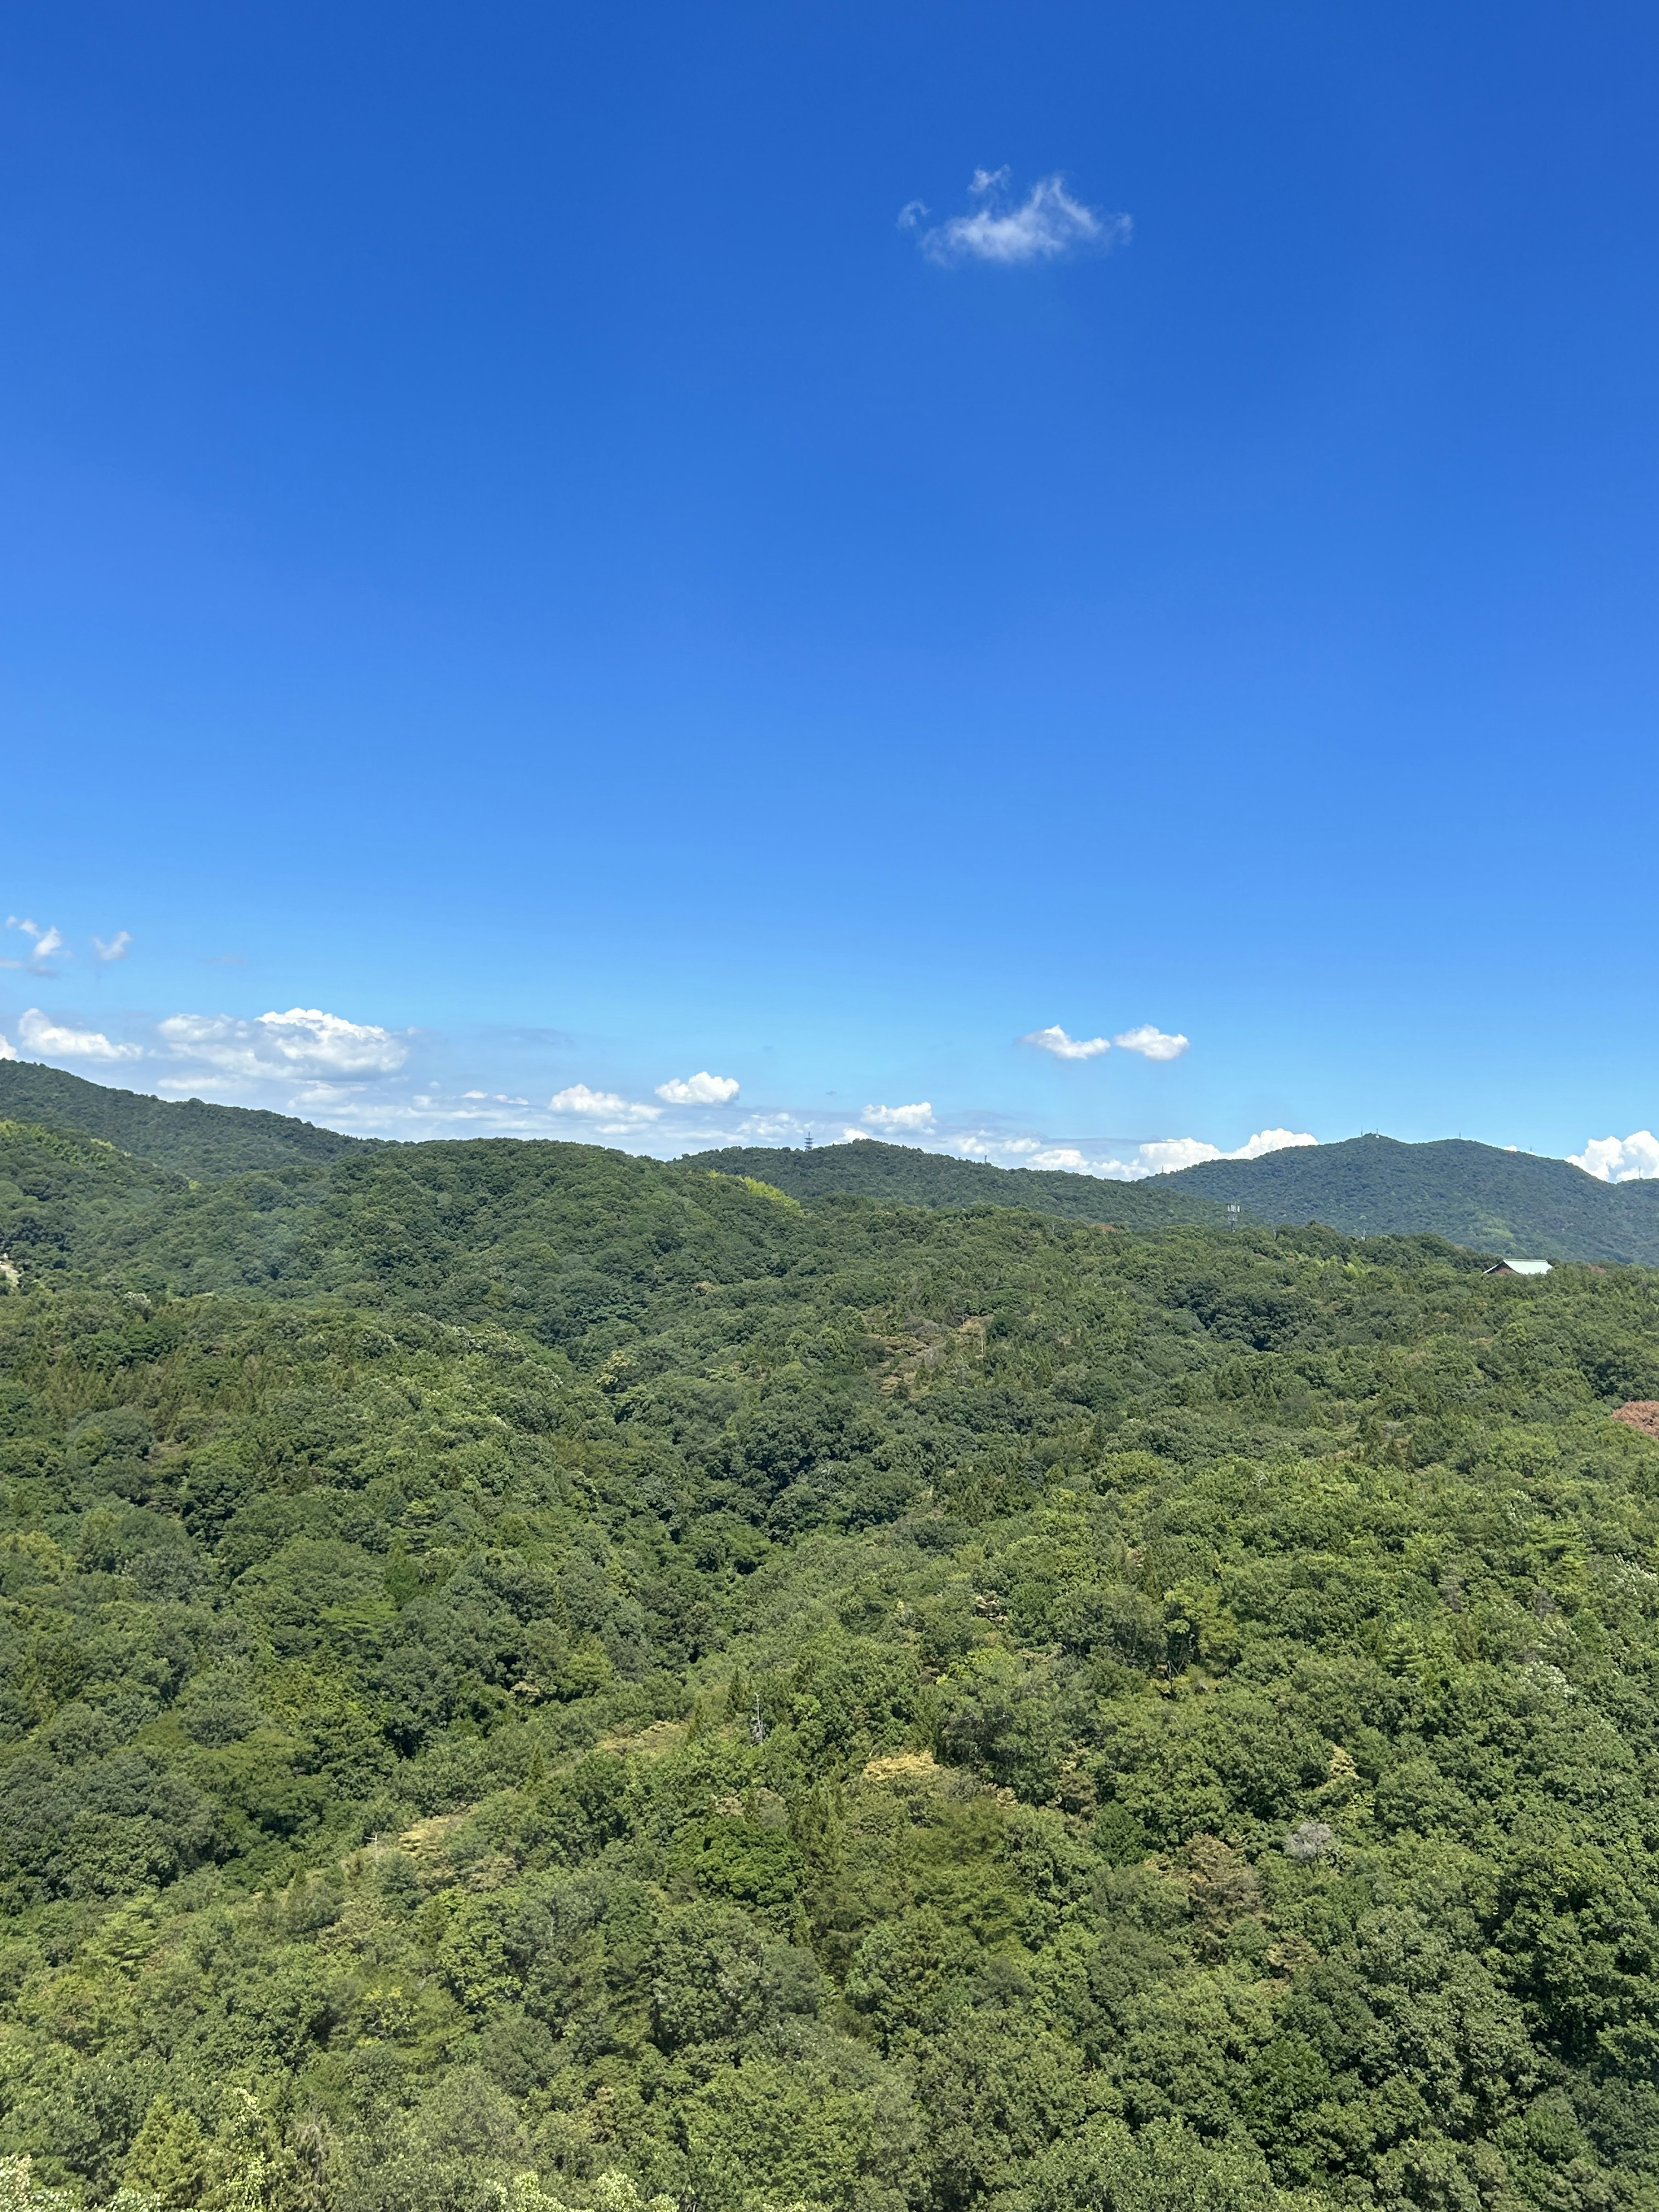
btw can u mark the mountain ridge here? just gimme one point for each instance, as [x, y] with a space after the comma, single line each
[1520, 1205]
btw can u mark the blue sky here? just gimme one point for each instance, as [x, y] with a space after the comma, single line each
[514, 547]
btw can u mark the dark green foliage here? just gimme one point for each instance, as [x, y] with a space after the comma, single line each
[534, 1677]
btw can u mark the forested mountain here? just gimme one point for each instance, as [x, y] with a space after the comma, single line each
[1474, 1194]
[188, 1134]
[1470, 1194]
[534, 1677]
[870, 1169]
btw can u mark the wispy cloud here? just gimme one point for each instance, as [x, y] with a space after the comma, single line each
[915, 1119]
[40, 1034]
[1152, 1044]
[46, 941]
[305, 1043]
[1046, 225]
[1634, 1158]
[1054, 1040]
[700, 1090]
[609, 1112]
[117, 947]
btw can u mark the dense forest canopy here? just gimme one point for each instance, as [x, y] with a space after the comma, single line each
[533, 1677]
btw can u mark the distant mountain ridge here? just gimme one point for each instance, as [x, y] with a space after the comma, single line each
[1517, 1203]
[188, 1135]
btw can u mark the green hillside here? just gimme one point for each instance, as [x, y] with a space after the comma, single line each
[189, 1135]
[1474, 1194]
[1471, 1195]
[532, 1678]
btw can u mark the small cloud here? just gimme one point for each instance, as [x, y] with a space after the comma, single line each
[117, 947]
[47, 942]
[1046, 225]
[7, 1049]
[51, 1041]
[1054, 1040]
[608, 1109]
[912, 213]
[303, 1041]
[917, 1117]
[700, 1090]
[1634, 1158]
[1152, 1044]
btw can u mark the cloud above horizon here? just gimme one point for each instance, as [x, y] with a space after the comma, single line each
[39, 1034]
[912, 1119]
[116, 949]
[1153, 1043]
[1157, 1156]
[1054, 1039]
[1634, 1158]
[700, 1090]
[1048, 225]
[304, 1042]
[609, 1112]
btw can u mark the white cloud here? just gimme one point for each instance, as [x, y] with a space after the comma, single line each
[7, 1049]
[913, 1118]
[1168, 1155]
[912, 213]
[700, 1090]
[304, 1042]
[1047, 224]
[1634, 1158]
[47, 942]
[117, 947]
[1054, 1040]
[44, 1037]
[609, 1112]
[1151, 1043]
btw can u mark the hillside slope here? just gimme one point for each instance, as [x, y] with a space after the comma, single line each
[1474, 1194]
[615, 1677]
[188, 1135]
